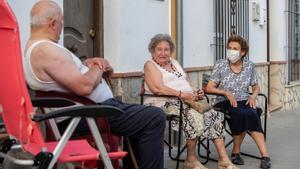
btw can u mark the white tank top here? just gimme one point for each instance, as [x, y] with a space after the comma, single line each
[170, 80]
[101, 93]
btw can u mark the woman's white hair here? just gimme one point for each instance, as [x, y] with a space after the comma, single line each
[42, 12]
[159, 38]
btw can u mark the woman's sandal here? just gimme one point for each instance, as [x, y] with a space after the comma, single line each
[226, 165]
[193, 165]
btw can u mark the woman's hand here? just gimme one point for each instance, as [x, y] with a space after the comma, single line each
[251, 102]
[200, 94]
[231, 98]
[188, 96]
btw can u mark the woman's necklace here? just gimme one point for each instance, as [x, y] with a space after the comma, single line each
[173, 70]
[237, 69]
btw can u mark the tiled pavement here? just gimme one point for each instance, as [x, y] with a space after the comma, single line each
[283, 141]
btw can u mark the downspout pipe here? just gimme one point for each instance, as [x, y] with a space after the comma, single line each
[180, 47]
[268, 48]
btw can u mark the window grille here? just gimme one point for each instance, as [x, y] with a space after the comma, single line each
[293, 44]
[231, 17]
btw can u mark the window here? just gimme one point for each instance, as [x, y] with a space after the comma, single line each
[293, 45]
[231, 17]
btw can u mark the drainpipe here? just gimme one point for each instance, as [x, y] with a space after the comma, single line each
[179, 47]
[268, 48]
[179, 31]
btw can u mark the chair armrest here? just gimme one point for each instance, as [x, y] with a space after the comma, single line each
[170, 97]
[51, 102]
[81, 111]
[213, 94]
[153, 95]
[69, 96]
[222, 109]
[262, 95]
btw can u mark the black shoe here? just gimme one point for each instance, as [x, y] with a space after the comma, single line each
[265, 163]
[237, 159]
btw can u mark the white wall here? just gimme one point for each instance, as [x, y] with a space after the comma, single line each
[278, 30]
[258, 34]
[198, 32]
[22, 12]
[128, 27]
[130, 24]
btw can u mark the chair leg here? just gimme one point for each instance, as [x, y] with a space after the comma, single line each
[179, 148]
[63, 141]
[179, 143]
[206, 147]
[99, 142]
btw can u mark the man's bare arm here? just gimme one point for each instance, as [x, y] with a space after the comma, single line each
[59, 66]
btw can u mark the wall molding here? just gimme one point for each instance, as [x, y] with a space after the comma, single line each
[262, 64]
[188, 69]
[127, 74]
[278, 62]
[197, 69]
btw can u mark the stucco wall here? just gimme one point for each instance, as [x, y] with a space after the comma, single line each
[258, 34]
[292, 96]
[198, 33]
[278, 31]
[277, 84]
[128, 27]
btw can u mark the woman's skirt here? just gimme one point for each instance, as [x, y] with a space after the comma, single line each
[195, 124]
[242, 118]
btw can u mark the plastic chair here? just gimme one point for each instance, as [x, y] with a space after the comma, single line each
[168, 142]
[21, 121]
[111, 141]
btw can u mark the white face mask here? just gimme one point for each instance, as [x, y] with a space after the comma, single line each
[233, 55]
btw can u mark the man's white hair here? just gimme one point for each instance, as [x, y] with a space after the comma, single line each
[42, 17]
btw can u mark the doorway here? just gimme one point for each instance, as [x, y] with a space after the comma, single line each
[83, 27]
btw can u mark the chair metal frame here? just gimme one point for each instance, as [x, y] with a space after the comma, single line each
[50, 157]
[180, 149]
[226, 117]
[75, 99]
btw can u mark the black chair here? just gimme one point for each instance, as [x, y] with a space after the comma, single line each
[180, 149]
[260, 111]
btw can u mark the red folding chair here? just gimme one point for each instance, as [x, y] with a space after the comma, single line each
[111, 141]
[21, 121]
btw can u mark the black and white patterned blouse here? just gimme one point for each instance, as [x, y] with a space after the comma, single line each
[239, 83]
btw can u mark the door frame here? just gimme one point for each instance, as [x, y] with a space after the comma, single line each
[99, 29]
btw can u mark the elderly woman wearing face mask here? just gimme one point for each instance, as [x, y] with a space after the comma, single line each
[232, 77]
[165, 76]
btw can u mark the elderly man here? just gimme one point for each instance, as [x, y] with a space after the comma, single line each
[50, 66]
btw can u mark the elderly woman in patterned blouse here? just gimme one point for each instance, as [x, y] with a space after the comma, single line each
[232, 77]
[164, 76]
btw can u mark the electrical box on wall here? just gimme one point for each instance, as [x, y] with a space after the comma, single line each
[256, 11]
[259, 13]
